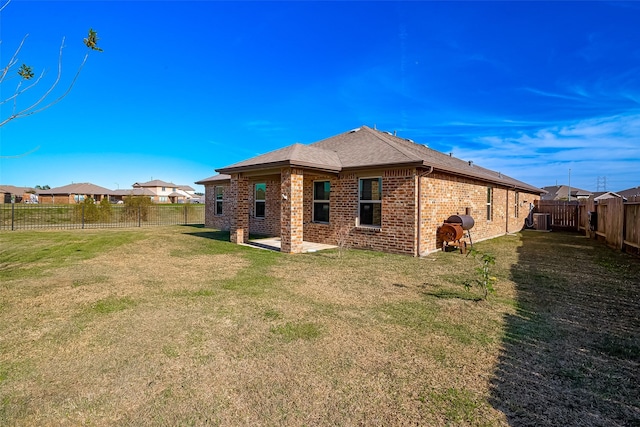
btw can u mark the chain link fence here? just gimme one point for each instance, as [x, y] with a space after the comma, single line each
[28, 216]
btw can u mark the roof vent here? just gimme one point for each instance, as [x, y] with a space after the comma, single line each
[387, 132]
[499, 175]
[395, 133]
[470, 162]
[450, 154]
[410, 140]
[354, 130]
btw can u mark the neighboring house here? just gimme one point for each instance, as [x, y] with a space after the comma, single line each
[367, 188]
[73, 193]
[602, 195]
[167, 192]
[9, 193]
[630, 192]
[120, 194]
[561, 192]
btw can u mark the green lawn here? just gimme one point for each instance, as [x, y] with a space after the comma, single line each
[177, 326]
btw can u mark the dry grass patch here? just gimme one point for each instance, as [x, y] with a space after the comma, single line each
[174, 326]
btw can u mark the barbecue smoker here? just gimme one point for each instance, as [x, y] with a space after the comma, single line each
[452, 232]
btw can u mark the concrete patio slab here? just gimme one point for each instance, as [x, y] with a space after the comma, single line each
[273, 244]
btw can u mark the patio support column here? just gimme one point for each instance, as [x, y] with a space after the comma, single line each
[239, 209]
[291, 215]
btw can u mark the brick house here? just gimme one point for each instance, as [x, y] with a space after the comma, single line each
[73, 193]
[374, 189]
[9, 193]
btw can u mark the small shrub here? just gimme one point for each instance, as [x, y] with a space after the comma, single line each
[484, 280]
[137, 206]
[106, 213]
[87, 211]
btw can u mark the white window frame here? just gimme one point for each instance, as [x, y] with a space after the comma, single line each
[362, 201]
[321, 201]
[217, 200]
[256, 200]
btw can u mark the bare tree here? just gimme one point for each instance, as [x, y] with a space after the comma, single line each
[27, 79]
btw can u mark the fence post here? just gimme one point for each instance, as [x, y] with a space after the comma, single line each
[139, 216]
[186, 213]
[83, 216]
[13, 215]
[618, 208]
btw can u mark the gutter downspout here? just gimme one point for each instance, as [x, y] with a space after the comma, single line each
[419, 227]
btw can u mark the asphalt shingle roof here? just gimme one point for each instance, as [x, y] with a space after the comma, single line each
[369, 148]
[155, 183]
[215, 178]
[79, 188]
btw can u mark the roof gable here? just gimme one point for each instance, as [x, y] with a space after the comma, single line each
[365, 147]
[292, 155]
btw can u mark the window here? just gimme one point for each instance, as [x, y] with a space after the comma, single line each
[489, 199]
[164, 188]
[370, 203]
[260, 196]
[321, 191]
[516, 211]
[219, 192]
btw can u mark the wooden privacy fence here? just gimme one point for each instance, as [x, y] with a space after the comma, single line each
[613, 220]
[563, 214]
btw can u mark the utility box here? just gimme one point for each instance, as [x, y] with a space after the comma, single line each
[542, 221]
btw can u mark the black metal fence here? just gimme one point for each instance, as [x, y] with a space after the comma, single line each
[26, 216]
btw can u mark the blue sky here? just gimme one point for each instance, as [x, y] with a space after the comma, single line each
[539, 91]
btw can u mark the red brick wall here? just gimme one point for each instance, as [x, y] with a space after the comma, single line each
[440, 196]
[397, 233]
[220, 222]
[292, 213]
[443, 195]
[270, 224]
[56, 199]
[319, 232]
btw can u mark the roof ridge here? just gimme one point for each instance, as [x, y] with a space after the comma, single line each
[393, 144]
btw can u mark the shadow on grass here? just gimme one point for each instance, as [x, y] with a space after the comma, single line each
[571, 353]
[449, 294]
[209, 233]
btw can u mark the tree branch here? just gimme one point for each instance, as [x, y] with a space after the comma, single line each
[33, 108]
